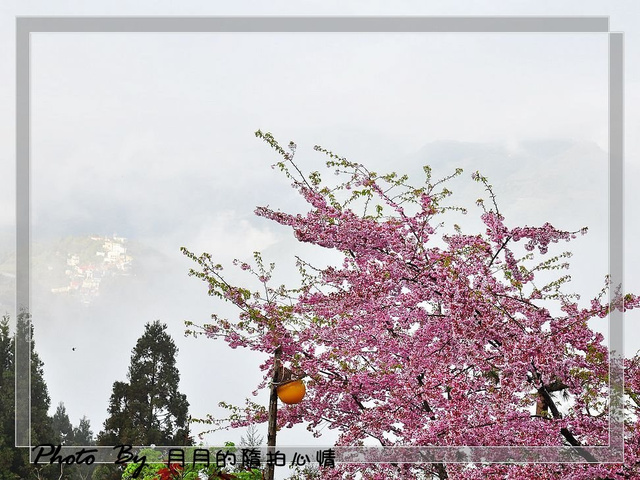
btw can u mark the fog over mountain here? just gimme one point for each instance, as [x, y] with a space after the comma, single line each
[563, 182]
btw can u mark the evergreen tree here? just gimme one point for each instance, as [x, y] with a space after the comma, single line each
[82, 434]
[149, 409]
[8, 453]
[253, 438]
[41, 430]
[14, 462]
[62, 428]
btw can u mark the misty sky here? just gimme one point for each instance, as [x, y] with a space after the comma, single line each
[150, 136]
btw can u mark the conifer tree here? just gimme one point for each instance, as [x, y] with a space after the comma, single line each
[82, 434]
[149, 409]
[62, 428]
[14, 462]
[41, 431]
[7, 408]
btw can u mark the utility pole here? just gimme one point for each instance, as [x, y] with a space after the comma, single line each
[273, 414]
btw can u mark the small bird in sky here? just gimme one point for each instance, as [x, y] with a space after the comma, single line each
[73, 348]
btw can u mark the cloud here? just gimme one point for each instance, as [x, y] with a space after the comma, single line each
[228, 232]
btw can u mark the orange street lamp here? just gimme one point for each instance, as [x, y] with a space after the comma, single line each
[291, 392]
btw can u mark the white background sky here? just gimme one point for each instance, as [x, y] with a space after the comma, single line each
[151, 136]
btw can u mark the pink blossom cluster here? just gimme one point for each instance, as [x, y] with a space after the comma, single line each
[407, 343]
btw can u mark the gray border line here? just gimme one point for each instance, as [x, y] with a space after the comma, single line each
[317, 24]
[616, 237]
[613, 453]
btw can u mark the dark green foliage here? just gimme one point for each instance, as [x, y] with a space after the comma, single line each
[149, 409]
[14, 462]
[106, 471]
[8, 455]
[62, 428]
[41, 431]
[82, 434]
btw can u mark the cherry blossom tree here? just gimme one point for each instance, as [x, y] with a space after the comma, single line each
[425, 334]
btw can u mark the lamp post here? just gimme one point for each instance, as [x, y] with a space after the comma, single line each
[290, 389]
[273, 413]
